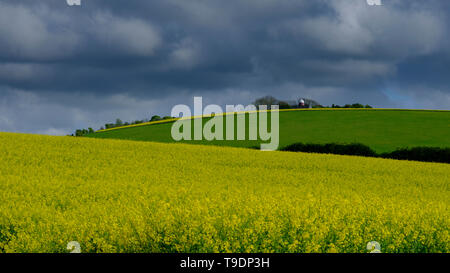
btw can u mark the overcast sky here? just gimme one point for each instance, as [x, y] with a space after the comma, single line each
[66, 67]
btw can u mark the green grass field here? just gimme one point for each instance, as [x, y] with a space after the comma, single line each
[382, 130]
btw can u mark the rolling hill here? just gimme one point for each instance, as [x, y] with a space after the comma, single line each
[383, 130]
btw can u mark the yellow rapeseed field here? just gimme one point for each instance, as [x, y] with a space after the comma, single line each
[124, 196]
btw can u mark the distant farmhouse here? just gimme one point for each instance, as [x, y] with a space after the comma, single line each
[306, 103]
[300, 103]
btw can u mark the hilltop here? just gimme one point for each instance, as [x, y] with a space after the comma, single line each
[383, 130]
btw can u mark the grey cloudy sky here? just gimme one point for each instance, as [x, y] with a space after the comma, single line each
[64, 67]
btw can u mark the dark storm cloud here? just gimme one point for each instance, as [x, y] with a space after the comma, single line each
[89, 64]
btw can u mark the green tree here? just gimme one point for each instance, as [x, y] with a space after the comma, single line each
[283, 105]
[357, 105]
[267, 100]
[155, 118]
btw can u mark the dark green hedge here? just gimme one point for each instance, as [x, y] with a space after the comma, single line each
[332, 148]
[426, 154]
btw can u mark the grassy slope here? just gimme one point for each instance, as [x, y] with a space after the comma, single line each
[382, 130]
[125, 196]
